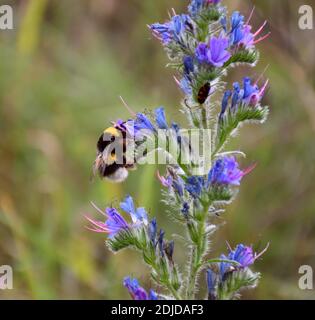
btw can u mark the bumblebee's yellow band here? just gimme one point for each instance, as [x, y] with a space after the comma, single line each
[113, 131]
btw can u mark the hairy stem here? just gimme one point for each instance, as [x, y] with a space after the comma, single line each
[198, 251]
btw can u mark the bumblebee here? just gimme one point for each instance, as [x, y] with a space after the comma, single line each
[111, 162]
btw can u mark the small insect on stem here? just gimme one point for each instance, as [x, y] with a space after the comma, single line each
[203, 93]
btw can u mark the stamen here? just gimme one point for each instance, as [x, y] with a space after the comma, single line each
[262, 38]
[98, 209]
[251, 15]
[262, 74]
[262, 252]
[260, 29]
[127, 107]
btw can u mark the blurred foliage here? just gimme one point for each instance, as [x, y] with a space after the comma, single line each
[62, 70]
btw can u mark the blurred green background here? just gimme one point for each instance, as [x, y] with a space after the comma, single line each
[62, 70]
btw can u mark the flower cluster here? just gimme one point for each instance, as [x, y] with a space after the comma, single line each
[115, 222]
[201, 49]
[202, 46]
[144, 236]
[232, 269]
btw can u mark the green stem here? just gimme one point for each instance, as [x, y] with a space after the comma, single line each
[198, 251]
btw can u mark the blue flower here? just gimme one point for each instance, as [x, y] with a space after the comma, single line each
[142, 122]
[195, 185]
[212, 281]
[137, 292]
[169, 249]
[225, 101]
[113, 225]
[171, 30]
[249, 89]
[237, 20]
[178, 186]
[185, 209]
[223, 22]
[196, 6]
[160, 118]
[138, 215]
[185, 86]
[242, 256]
[250, 94]
[188, 66]
[237, 26]
[236, 95]
[225, 171]
[152, 231]
[161, 242]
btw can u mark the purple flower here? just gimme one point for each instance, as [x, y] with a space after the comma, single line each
[137, 292]
[215, 53]
[114, 223]
[218, 54]
[252, 94]
[165, 181]
[225, 171]
[202, 53]
[243, 255]
[249, 39]
[138, 216]
[213, 1]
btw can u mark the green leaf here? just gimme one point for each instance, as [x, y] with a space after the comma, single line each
[223, 261]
